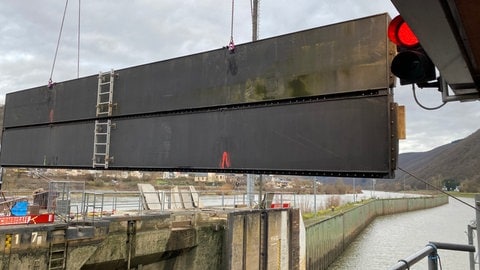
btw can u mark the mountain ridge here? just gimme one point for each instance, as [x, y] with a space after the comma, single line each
[458, 160]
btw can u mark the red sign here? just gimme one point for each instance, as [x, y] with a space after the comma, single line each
[280, 205]
[29, 219]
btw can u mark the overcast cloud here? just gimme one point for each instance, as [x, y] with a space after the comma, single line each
[117, 34]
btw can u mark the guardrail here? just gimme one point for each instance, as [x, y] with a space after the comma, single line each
[430, 250]
[89, 203]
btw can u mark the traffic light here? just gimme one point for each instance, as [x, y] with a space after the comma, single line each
[411, 64]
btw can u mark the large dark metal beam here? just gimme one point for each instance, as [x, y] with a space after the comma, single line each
[316, 102]
[318, 137]
[339, 58]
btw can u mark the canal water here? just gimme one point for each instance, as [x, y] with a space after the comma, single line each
[391, 238]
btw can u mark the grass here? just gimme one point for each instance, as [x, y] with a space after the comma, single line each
[462, 194]
[327, 213]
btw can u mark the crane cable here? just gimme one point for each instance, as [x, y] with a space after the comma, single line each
[254, 15]
[50, 80]
[231, 22]
[231, 44]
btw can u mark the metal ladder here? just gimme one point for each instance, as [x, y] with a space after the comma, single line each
[101, 144]
[58, 251]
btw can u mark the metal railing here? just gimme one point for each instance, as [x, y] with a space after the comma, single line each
[134, 202]
[72, 202]
[430, 250]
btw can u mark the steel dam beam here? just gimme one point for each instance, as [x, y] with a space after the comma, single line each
[315, 102]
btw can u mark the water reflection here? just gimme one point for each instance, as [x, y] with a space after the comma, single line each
[391, 238]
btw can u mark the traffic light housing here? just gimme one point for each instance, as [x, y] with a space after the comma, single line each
[411, 64]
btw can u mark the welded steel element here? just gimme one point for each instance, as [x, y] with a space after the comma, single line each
[315, 102]
[477, 219]
[430, 250]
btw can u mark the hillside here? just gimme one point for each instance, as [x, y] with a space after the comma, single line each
[459, 160]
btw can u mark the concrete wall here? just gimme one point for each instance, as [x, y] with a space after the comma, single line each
[327, 239]
[264, 239]
[238, 240]
[187, 241]
[158, 241]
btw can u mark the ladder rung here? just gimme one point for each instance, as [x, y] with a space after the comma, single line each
[101, 152]
[105, 83]
[101, 134]
[101, 144]
[103, 103]
[99, 164]
[104, 93]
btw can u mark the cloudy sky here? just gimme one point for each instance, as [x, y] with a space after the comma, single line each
[121, 33]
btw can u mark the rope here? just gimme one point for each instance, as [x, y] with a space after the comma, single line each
[50, 82]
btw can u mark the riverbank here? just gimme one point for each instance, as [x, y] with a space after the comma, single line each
[391, 238]
[328, 238]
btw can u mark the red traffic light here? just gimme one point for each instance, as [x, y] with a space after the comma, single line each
[411, 64]
[400, 33]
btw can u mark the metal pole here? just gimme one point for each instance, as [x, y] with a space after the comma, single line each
[255, 20]
[250, 183]
[354, 191]
[477, 214]
[315, 196]
[260, 187]
[433, 260]
[470, 242]
[373, 187]
[249, 176]
[1, 177]
[412, 259]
